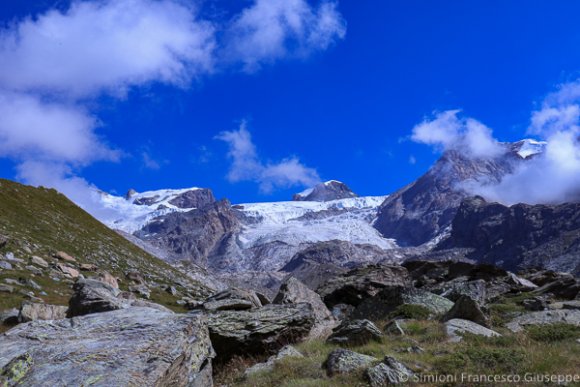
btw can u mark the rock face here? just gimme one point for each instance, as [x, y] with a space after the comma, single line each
[355, 332]
[343, 361]
[197, 198]
[425, 208]
[358, 284]
[519, 236]
[456, 327]
[259, 331]
[546, 317]
[149, 347]
[323, 192]
[32, 311]
[193, 235]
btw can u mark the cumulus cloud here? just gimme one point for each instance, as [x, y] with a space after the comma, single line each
[247, 166]
[106, 45]
[274, 29]
[448, 131]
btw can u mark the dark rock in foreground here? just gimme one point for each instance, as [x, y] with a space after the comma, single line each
[136, 346]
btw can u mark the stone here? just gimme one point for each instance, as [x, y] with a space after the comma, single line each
[361, 283]
[389, 371]
[344, 361]
[292, 291]
[521, 283]
[355, 332]
[33, 269]
[455, 327]
[566, 287]
[5, 265]
[259, 331]
[171, 290]
[342, 311]
[32, 311]
[287, 351]
[467, 309]
[228, 304]
[92, 296]
[475, 289]
[233, 299]
[141, 290]
[9, 317]
[6, 289]
[264, 300]
[567, 316]
[67, 270]
[396, 328]
[64, 256]
[535, 304]
[38, 261]
[108, 278]
[141, 346]
[88, 267]
[11, 374]
[136, 277]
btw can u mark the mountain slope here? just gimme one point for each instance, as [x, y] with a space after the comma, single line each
[40, 222]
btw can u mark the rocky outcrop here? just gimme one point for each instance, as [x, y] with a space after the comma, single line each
[323, 192]
[196, 198]
[355, 332]
[292, 291]
[192, 235]
[456, 327]
[34, 311]
[136, 346]
[425, 208]
[467, 309]
[259, 331]
[545, 317]
[519, 236]
[359, 284]
[343, 361]
[233, 299]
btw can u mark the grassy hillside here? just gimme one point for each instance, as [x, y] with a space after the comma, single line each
[40, 222]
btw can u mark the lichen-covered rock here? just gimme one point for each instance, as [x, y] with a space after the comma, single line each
[467, 309]
[355, 332]
[259, 331]
[136, 346]
[287, 351]
[33, 311]
[92, 296]
[233, 299]
[389, 371]
[359, 284]
[343, 361]
[455, 327]
[292, 291]
[567, 316]
[395, 328]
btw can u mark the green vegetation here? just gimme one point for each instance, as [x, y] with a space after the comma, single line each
[40, 222]
[413, 311]
[553, 332]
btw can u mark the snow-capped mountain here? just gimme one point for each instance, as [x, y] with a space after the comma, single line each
[330, 190]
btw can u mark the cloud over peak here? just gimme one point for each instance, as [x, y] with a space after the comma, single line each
[247, 166]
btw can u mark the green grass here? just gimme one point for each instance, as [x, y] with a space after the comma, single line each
[553, 332]
[411, 311]
[40, 221]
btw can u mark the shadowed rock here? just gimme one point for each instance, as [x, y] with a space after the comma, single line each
[355, 332]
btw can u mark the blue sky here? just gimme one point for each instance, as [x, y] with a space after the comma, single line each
[345, 110]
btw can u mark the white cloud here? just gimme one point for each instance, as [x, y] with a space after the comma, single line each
[274, 29]
[106, 45]
[33, 129]
[447, 131]
[246, 165]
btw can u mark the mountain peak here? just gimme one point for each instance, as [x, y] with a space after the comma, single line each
[323, 192]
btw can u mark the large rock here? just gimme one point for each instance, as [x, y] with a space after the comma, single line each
[233, 299]
[387, 300]
[389, 371]
[361, 283]
[33, 311]
[467, 309]
[292, 291]
[355, 332]
[259, 331]
[456, 327]
[566, 316]
[566, 287]
[343, 361]
[136, 346]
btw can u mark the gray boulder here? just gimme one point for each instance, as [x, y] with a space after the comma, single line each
[467, 309]
[343, 361]
[259, 331]
[535, 304]
[355, 332]
[456, 327]
[92, 296]
[233, 299]
[9, 317]
[567, 316]
[136, 346]
[389, 371]
[33, 311]
[286, 352]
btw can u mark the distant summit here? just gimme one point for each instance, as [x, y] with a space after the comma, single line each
[323, 192]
